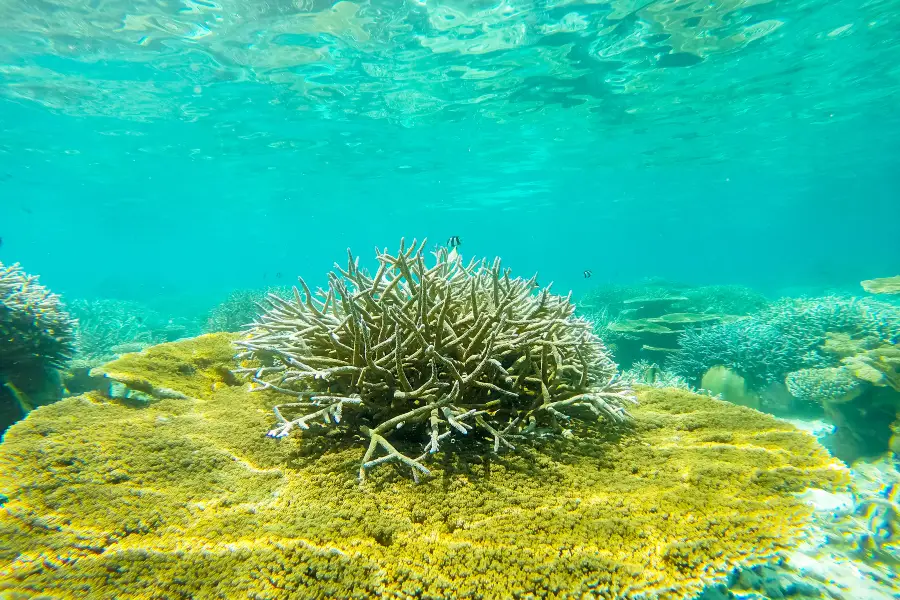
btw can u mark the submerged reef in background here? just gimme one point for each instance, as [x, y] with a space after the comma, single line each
[837, 354]
[240, 309]
[104, 325]
[109, 328]
[831, 355]
[652, 375]
[713, 299]
[788, 336]
[642, 322]
[37, 340]
[186, 493]
[884, 285]
[425, 353]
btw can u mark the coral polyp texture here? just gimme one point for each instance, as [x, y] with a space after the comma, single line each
[185, 498]
[419, 353]
[34, 326]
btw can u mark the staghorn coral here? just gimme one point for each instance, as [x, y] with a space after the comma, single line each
[34, 326]
[808, 320]
[431, 351]
[183, 498]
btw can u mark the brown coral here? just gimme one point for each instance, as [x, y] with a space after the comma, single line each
[419, 353]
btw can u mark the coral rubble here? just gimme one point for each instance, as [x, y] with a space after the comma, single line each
[105, 497]
[422, 354]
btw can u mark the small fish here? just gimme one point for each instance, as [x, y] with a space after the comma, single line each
[454, 241]
[1, 242]
[587, 273]
[278, 275]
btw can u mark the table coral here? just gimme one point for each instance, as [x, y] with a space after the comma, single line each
[419, 355]
[833, 385]
[883, 285]
[185, 498]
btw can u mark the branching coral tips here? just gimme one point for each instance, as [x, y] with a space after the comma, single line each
[421, 353]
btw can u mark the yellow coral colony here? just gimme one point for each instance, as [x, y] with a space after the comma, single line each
[186, 498]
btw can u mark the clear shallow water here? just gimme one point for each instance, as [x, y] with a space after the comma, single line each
[171, 151]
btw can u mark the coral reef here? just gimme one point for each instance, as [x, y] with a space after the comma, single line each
[240, 309]
[37, 338]
[108, 328]
[34, 325]
[833, 385]
[723, 300]
[651, 374]
[788, 336]
[106, 496]
[861, 396]
[649, 329]
[642, 322]
[712, 299]
[752, 348]
[883, 285]
[851, 551]
[808, 320]
[105, 323]
[837, 354]
[421, 354]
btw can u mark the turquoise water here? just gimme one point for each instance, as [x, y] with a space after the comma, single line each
[172, 151]
[711, 179]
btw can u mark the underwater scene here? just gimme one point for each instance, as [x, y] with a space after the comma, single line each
[438, 299]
